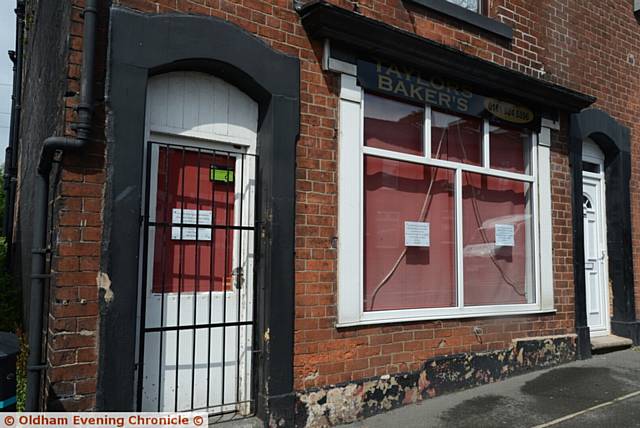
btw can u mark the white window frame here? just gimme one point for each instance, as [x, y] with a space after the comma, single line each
[351, 152]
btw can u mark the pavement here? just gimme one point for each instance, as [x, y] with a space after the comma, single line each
[603, 391]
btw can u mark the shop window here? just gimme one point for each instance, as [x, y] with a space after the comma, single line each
[509, 149]
[456, 138]
[496, 263]
[497, 232]
[393, 125]
[396, 192]
[444, 225]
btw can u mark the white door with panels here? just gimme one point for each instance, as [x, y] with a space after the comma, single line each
[595, 240]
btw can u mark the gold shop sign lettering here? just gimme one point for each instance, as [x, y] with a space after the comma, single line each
[410, 84]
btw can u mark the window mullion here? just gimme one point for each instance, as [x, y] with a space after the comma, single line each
[459, 247]
[533, 167]
[439, 163]
[486, 162]
[361, 213]
[427, 132]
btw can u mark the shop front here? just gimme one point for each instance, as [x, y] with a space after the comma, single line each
[452, 228]
[312, 213]
[448, 221]
[460, 256]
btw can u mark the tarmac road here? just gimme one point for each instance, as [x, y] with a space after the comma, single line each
[601, 392]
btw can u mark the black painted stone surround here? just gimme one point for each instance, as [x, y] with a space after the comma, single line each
[140, 46]
[614, 140]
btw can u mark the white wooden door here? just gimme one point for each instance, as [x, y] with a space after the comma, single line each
[595, 255]
[197, 315]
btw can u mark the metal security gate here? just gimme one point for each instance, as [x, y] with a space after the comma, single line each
[197, 305]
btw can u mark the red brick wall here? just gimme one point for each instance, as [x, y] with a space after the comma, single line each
[594, 47]
[71, 347]
[324, 355]
[559, 40]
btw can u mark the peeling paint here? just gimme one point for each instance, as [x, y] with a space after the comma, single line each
[104, 283]
[339, 404]
[311, 376]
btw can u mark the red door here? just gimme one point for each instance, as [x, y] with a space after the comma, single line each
[190, 256]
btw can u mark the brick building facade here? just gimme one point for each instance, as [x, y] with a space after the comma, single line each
[310, 354]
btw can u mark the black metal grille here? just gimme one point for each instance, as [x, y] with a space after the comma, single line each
[198, 289]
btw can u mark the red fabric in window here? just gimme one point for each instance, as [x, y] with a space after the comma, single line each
[393, 125]
[396, 192]
[508, 149]
[184, 182]
[493, 274]
[456, 138]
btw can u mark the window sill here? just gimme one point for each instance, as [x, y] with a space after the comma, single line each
[467, 16]
[392, 320]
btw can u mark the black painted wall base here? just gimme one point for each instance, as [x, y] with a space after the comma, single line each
[348, 402]
[630, 329]
[278, 411]
[583, 343]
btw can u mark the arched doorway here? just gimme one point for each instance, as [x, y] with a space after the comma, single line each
[156, 44]
[595, 239]
[601, 168]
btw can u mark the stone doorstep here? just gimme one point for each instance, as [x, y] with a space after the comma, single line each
[603, 343]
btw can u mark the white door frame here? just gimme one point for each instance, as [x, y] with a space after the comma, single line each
[592, 154]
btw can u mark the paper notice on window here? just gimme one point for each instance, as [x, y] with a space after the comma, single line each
[416, 234]
[199, 217]
[505, 235]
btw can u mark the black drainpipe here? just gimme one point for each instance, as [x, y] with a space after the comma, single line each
[52, 145]
[11, 153]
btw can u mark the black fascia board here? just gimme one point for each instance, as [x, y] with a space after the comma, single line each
[372, 38]
[467, 16]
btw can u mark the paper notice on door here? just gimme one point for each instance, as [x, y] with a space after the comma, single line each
[199, 217]
[416, 234]
[205, 217]
[505, 235]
